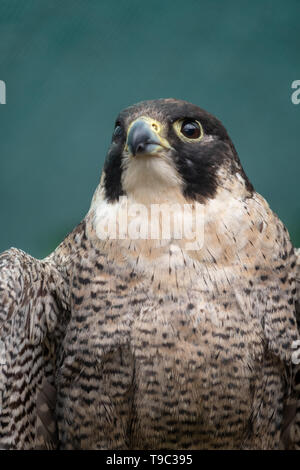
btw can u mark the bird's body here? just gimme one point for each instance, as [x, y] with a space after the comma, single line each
[146, 343]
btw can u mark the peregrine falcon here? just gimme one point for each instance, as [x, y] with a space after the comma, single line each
[126, 342]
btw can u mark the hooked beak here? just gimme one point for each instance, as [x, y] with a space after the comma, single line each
[144, 138]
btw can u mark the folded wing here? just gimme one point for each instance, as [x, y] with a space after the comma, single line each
[31, 305]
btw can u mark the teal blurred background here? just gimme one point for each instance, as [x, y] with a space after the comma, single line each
[70, 66]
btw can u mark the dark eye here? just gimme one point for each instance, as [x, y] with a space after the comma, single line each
[191, 129]
[118, 132]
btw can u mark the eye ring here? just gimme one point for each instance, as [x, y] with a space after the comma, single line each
[189, 130]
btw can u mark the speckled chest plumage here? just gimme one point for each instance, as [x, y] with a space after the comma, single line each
[164, 358]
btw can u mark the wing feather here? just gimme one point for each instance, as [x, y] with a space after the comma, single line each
[29, 311]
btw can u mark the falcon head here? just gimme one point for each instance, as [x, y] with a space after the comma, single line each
[170, 146]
